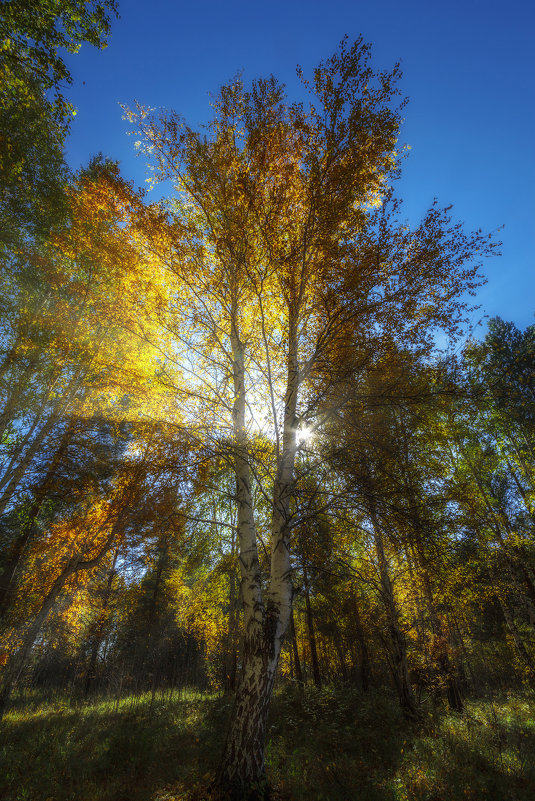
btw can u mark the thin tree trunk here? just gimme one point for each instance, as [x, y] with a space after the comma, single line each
[8, 584]
[99, 631]
[520, 646]
[17, 660]
[16, 471]
[311, 632]
[339, 647]
[295, 650]
[444, 664]
[365, 672]
[399, 647]
[10, 407]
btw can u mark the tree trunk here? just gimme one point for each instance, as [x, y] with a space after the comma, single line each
[242, 763]
[17, 660]
[400, 669]
[241, 771]
[520, 646]
[18, 466]
[295, 650]
[364, 655]
[230, 658]
[9, 411]
[311, 633]
[99, 631]
[7, 581]
[444, 664]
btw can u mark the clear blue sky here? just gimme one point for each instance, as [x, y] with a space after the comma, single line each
[468, 71]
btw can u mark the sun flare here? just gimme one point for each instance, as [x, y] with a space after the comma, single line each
[304, 435]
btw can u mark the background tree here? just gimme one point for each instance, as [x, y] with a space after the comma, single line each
[35, 114]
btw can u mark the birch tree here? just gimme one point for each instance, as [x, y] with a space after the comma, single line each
[282, 245]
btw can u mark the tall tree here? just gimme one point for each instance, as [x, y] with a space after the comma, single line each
[283, 246]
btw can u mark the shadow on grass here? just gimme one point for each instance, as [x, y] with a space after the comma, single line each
[325, 745]
[488, 753]
[98, 754]
[340, 746]
[332, 744]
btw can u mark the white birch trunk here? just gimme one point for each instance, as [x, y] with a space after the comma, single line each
[242, 766]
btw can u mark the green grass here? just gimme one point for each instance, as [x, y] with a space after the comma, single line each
[362, 749]
[335, 745]
[100, 753]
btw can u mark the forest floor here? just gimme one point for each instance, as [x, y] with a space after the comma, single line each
[334, 745]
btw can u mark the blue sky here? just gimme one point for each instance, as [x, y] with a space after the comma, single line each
[468, 71]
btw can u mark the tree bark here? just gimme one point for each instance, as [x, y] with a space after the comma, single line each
[444, 664]
[520, 646]
[295, 650]
[400, 669]
[311, 632]
[99, 630]
[230, 658]
[364, 655]
[241, 771]
[242, 763]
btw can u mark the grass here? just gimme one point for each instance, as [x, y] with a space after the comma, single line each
[324, 745]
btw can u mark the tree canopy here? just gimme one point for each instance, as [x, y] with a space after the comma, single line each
[230, 450]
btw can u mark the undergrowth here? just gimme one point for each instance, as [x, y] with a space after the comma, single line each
[324, 745]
